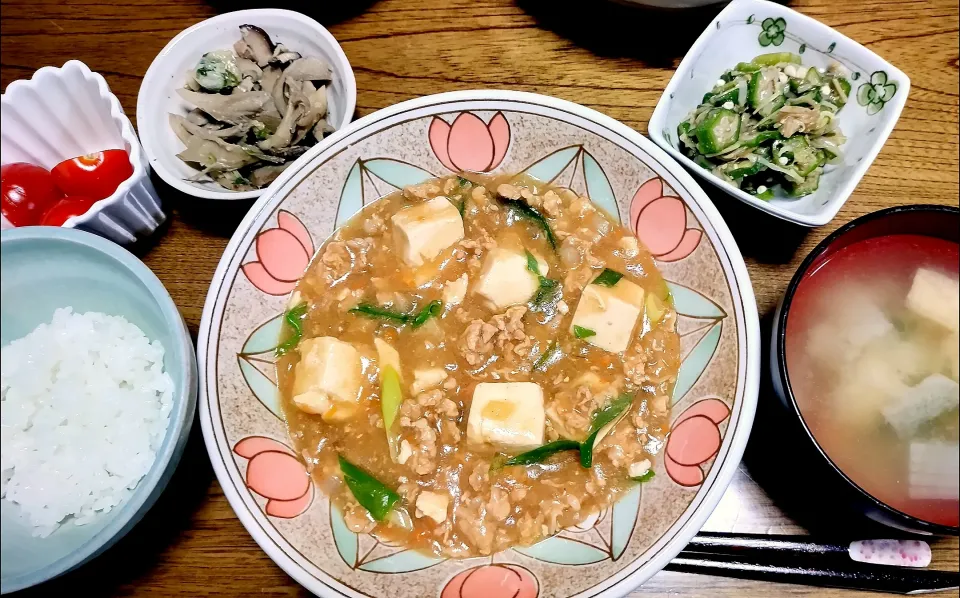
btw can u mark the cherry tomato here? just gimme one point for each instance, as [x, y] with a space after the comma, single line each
[67, 207]
[28, 191]
[94, 175]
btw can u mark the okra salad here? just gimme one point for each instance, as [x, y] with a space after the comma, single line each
[477, 363]
[768, 122]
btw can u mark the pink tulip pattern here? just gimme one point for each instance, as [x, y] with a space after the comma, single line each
[469, 144]
[283, 253]
[695, 438]
[495, 580]
[660, 221]
[274, 472]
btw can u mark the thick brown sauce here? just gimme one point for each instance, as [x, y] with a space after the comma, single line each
[487, 511]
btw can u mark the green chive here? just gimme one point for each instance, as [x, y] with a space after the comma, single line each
[532, 263]
[645, 477]
[601, 418]
[462, 181]
[541, 453]
[434, 308]
[526, 211]
[549, 357]
[608, 278]
[292, 318]
[581, 332]
[372, 494]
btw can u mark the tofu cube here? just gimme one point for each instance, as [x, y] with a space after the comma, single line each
[327, 378]
[455, 290]
[611, 312]
[507, 416]
[934, 471]
[423, 231]
[935, 296]
[433, 505]
[505, 279]
[426, 379]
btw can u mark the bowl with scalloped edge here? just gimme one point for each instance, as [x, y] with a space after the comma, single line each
[747, 28]
[495, 132]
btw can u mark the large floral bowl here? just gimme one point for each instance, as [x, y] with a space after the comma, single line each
[498, 132]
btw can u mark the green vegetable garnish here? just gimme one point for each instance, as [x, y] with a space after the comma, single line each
[523, 209]
[369, 491]
[540, 454]
[292, 318]
[581, 332]
[645, 477]
[601, 418]
[549, 357]
[416, 320]
[217, 71]
[608, 278]
[781, 132]
[532, 264]
[390, 395]
[462, 181]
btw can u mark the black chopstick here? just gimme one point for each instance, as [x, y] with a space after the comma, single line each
[851, 575]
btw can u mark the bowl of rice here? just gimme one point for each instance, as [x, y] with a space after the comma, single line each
[98, 390]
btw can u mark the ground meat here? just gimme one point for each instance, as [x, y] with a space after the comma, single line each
[511, 336]
[476, 343]
[336, 257]
[635, 364]
[422, 191]
[551, 204]
[469, 521]
[577, 279]
[498, 506]
[659, 404]
[481, 473]
[373, 225]
[449, 186]
[358, 519]
[360, 248]
[508, 191]
[424, 458]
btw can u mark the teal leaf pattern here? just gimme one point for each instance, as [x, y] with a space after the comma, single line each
[696, 362]
[265, 338]
[692, 304]
[773, 31]
[625, 514]
[403, 561]
[397, 173]
[831, 47]
[260, 385]
[344, 539]
[548, 168]
[598, 187]
[564, 551]
[351, 197]
[258, 355]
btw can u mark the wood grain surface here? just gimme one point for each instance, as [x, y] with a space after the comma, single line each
[614, 58]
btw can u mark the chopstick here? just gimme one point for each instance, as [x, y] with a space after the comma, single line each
[876, 578]
[803, 560]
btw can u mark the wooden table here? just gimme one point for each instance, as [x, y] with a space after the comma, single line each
[609, 57]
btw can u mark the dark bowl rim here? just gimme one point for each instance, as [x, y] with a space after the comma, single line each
[781, 327]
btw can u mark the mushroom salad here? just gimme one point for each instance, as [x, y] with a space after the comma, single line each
[258, 107]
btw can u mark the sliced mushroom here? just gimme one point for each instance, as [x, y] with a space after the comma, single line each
[215, 156]
[197, 117]
[283, 136]
[263, 176]
[271, 75]
[208, 131]
[233, 181]
[234, 108]
[249, 68]
[245, 85]
[283, 55]
[308, 69]
[258, 43]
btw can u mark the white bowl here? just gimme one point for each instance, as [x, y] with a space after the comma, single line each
[736, 35]
[158, 97]
[61, 113]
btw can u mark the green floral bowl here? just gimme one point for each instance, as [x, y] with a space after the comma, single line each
[746, 28]
[497, 132]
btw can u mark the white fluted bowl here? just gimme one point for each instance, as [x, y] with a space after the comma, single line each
[61, 113]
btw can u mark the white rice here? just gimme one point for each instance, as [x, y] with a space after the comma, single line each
[85, 406]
